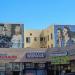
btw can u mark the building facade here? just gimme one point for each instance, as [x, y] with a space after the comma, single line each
[53, 36]
[48, 34]
[39, 38]
[14, 36]
[43, 61]
[32, 38]
[37, 52]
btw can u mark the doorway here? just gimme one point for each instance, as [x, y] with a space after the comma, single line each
[41, 72]
[16, 72]
[30, 72]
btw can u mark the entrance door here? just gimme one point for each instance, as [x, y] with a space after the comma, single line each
[30, 72]
[8, 73]
[50, 72]
[16, 72]
[41, 72]
[57, 72]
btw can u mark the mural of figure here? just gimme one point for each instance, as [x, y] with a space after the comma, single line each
[67, 37]
[60, 37]
[4, 39]
[17, 38]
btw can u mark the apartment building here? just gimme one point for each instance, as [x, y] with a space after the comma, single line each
[39, 38]
[32, 38]
[48, 34]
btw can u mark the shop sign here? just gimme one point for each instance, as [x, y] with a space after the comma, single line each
[59, 60]
[62, 53]
[35, 55]
[6, 56]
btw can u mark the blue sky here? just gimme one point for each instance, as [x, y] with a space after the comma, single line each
[37, 14]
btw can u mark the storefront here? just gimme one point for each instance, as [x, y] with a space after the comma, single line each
[10, 61]
[34, 69]
[71, 53]
[36, 61]
[23, 62]
[59, 61]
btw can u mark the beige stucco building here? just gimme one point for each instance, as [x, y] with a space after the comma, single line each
[48, 35]
[39, 38]
[32, 39]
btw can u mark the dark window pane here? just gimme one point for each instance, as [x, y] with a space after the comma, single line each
[35, 38]
[41, 39]
[48, 37]
[27, 39]
[51, 36]
[30, 34]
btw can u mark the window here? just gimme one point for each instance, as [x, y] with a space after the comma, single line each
[35, 38]
[27, 39]
[51, 36]
[44, 38]
[30, 34]
[29, 65]
[51, 45]
[41, 65]
[48, 37]
[41, 39]
[9, 67]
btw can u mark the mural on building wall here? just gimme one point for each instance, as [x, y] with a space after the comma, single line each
[11, 36]
[64, 35]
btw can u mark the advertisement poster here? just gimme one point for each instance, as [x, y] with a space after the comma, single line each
[11, 35]
[59, 60]
[64, 35]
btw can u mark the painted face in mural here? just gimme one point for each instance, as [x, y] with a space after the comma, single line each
[67, 37]
[8, 30]
[65, 32]
[59, 33]
[1, 30]
[17, 30]
[4, 30]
